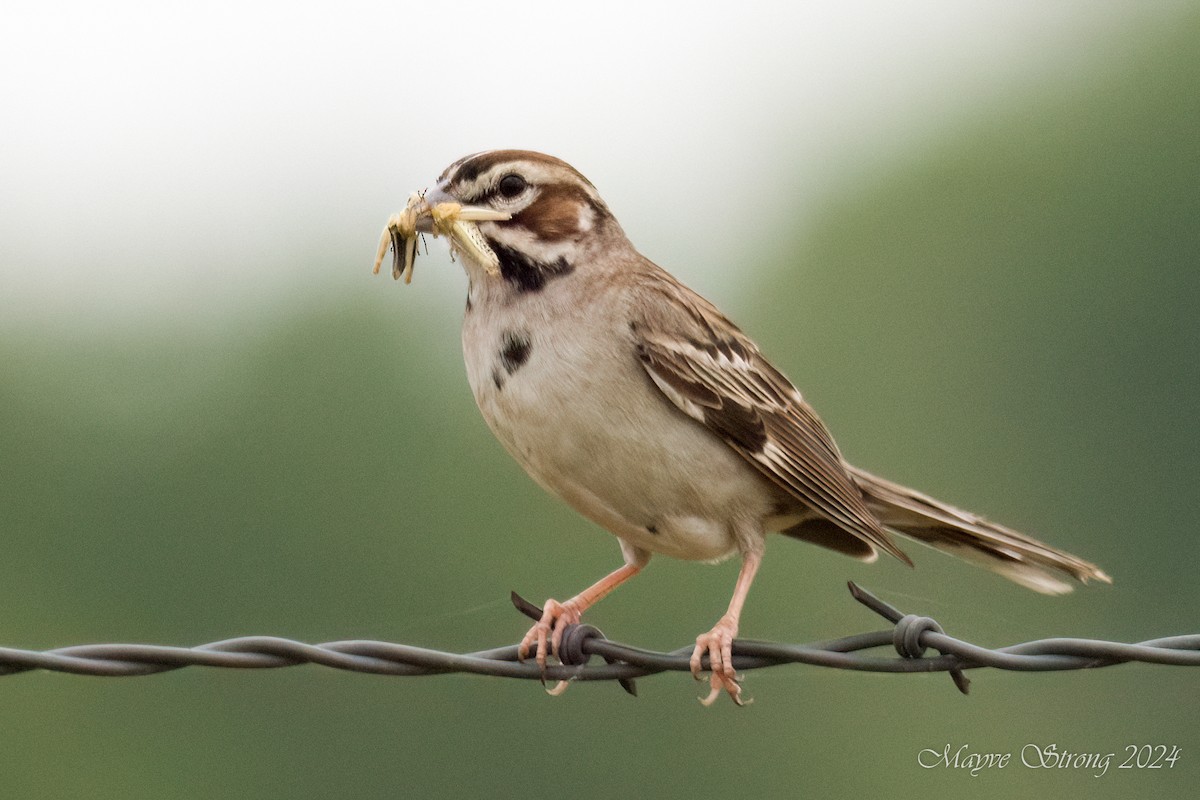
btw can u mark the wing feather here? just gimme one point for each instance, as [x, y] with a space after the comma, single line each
[716, 375]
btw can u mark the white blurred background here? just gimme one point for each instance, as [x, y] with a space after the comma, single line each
[187, 161]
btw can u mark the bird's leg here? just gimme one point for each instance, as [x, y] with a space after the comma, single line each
[556, 616]
[718, 642]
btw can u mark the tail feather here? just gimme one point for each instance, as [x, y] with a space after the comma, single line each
[1016, 556]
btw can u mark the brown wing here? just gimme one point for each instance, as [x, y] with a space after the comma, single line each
[716, 375]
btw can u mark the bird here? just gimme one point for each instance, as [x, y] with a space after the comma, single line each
[642, 406]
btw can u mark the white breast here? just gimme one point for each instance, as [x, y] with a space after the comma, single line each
[583, 418]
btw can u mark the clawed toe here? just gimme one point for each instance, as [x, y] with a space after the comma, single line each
[728, 683]
[546, 636]
[717, 644]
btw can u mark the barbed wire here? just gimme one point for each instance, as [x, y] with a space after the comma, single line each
[910, 636]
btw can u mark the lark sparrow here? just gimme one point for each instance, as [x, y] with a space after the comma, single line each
[637, 402]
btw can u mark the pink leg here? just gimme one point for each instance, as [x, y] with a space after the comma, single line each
[556, 616]
[718, 642]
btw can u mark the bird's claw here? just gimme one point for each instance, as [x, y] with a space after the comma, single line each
[546, 636]
[717, 644]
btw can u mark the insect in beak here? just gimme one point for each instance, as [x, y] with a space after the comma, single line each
[450, 219]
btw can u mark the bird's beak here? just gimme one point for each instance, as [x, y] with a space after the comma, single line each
[433, 197]
[437, 212]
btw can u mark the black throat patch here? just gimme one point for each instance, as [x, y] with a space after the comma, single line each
[528, 274]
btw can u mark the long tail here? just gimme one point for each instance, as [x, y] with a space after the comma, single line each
[1015, 556]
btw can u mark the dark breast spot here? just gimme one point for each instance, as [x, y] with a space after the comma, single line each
[515, 347]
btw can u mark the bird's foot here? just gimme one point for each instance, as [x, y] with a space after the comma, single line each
[718, 644]
[546, 635]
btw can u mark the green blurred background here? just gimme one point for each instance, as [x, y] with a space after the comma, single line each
[1000, 310]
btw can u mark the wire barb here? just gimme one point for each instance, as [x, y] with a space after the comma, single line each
[906, 637]
[574, 636]
[910, 636]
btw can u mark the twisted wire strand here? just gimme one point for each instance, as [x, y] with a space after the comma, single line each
[910, 638]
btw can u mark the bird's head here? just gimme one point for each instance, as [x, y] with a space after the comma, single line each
[517, 215]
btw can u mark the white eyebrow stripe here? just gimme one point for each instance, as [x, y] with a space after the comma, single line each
[536, 172]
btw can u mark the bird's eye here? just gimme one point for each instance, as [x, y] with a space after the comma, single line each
[512, 185]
